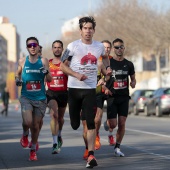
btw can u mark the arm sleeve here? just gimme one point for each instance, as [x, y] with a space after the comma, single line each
[68, 53]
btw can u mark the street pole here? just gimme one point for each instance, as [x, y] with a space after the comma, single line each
[158, 69]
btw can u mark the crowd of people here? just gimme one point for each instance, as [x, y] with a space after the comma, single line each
[84, 76]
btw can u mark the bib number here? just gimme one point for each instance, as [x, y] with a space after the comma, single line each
[120, 84]
[57, 82]
[33, 85]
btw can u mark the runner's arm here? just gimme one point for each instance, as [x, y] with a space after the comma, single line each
[104, 72]
[64, 66]
[133, 81]
[19, 68]
[48, 76]
[106, 62]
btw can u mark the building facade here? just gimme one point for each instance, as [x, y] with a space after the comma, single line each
[3, 62]
[9, 32]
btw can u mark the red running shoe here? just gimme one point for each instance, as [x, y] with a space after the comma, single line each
[97, 143]
[85, 156]
[33, 156]
[111, 140]
[24, 141]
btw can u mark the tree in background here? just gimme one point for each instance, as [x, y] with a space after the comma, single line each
[142, 28]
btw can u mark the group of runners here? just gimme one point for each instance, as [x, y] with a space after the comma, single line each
[83, 76]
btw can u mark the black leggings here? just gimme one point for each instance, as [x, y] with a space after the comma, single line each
[82, 100]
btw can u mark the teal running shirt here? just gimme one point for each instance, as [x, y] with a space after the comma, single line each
[33, 86]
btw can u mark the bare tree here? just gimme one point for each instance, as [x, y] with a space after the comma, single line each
[141, 27]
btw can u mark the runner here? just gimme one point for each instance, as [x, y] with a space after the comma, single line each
[118, 102]
[5, 100]
[41, 123]
[30, 75]
[82, 55]
[101, 97]
[57, 96]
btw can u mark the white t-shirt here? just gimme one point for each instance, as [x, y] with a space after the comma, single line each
[84, 61]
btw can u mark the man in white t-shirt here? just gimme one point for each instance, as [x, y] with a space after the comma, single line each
[79, 61]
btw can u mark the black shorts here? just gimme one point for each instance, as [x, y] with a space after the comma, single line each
[82, 100]
[100, 98]
[61, 97]
[117, 106]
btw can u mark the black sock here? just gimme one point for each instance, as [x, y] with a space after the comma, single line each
[54, 145]
[117, 145]
[91, 153]
[33, 150]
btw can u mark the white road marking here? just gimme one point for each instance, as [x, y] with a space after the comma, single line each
[149, 133]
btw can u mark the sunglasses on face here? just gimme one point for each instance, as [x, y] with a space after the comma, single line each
[119, 47]
[32, 45]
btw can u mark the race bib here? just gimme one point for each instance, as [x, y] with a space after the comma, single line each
[120, 84]
[57, 82]
[33, 85]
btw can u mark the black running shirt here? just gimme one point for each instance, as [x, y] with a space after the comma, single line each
[118, 83]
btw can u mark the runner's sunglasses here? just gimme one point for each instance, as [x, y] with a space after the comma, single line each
[119, 47]
[32, 45]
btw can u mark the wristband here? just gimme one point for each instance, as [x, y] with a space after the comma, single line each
[46, 72]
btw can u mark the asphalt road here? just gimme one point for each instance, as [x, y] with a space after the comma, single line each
[146, 146]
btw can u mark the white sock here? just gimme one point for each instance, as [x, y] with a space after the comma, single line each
[33, 147]
[55, 139]
[110, 133]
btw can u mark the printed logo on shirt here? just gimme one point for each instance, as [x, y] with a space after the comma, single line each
[32, 71]
[89, 59]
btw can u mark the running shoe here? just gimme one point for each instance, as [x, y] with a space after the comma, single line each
[111, 140]
[60, 142]
[106, 127]
[97, 142]
[55, 149]
[91, 162]
[118, 153]
[24, 141]
[85, 156]
[37, 145]
[33, 155]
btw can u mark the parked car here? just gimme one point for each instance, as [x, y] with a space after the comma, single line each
[159, 102]
[138, 100]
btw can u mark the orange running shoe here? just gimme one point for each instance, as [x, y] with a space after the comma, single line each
[37, 145]
[91, 162]
[24, 141]
[33, 156]
[97, 142]
[111, 140]
[85, 156]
